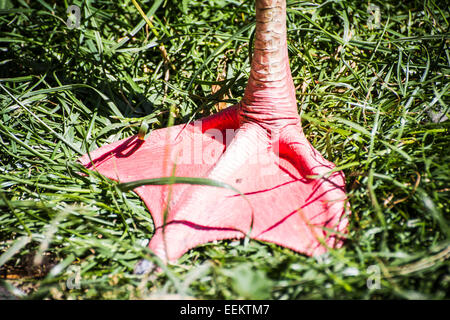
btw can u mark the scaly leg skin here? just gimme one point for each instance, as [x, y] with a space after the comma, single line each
[290, 198]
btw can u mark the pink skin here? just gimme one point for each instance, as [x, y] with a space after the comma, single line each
[289, 199]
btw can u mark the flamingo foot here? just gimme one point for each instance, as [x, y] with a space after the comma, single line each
[283, 202]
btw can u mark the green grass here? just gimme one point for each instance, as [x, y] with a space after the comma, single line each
[374, 101]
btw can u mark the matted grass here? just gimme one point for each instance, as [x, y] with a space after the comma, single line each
[373, 100]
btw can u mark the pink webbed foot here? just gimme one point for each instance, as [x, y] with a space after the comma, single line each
[281, 203]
